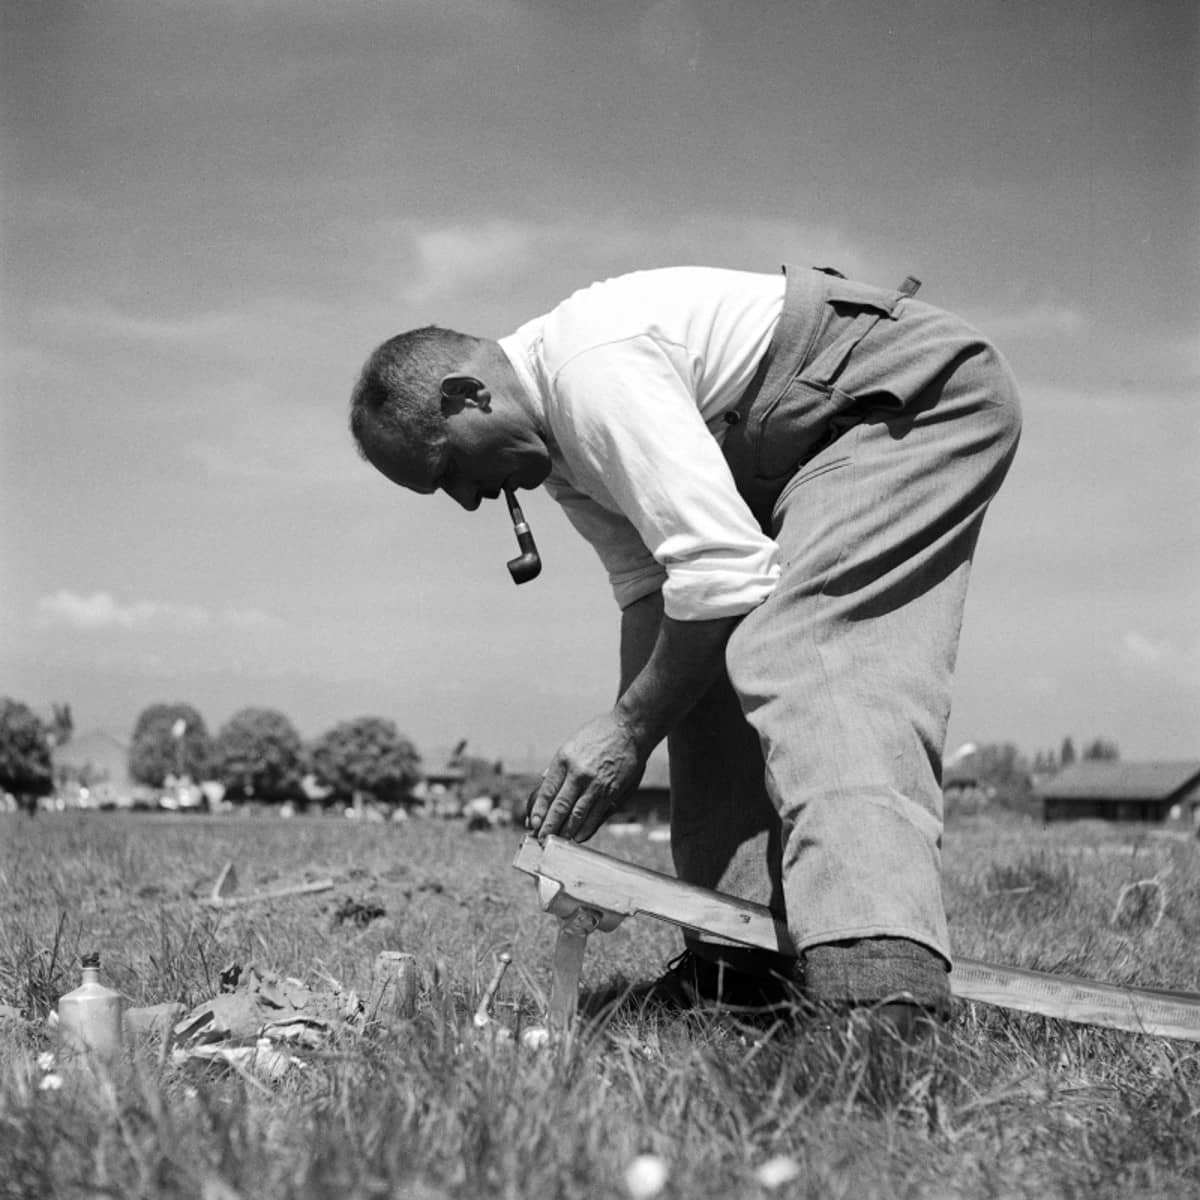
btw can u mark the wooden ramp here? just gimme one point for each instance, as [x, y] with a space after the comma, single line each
[589, 891]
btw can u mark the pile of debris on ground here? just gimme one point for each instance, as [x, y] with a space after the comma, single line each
[259, 1020]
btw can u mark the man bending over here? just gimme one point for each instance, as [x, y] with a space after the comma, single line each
[785, 477]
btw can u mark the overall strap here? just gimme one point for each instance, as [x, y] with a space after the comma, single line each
[795, 335]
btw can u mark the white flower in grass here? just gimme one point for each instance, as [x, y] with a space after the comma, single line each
[777, 1171]
[50, 1083]
[646, 1176]
[536, 1037]
[45, 1060]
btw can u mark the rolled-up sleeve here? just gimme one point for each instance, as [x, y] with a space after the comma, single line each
[650, 488]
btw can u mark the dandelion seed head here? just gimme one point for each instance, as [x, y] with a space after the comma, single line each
[777, 1171]
[646, 1176]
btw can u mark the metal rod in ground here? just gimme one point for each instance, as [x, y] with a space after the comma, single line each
[483, 1014]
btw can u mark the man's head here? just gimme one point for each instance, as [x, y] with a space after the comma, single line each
[423, 415]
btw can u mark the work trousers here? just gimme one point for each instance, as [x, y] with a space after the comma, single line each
[809, 777]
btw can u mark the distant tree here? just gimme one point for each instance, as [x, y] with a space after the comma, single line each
[1101, 750]
[62, 724]
[366, 755]
[1045, 763]
[25, 768]
[1066, 756]
[1003, 770]
[259, 755]
[169, 739]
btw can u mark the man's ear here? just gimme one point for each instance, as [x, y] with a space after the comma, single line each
[460, 390]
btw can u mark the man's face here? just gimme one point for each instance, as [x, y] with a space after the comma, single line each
[478, 455]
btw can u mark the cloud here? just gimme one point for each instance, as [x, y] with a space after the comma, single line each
[108, 321]
[268, 330]
[1160, 656]
[456, 256]
[1043, 319]
[65, 609]
[1143, 651]
[250, 618]
[468, 260]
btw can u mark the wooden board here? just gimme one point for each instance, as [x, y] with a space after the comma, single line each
[606, 883]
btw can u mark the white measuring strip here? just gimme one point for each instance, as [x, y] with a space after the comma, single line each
[623, 889]
[1070, 998]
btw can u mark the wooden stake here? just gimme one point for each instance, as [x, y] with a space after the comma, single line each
[393, 986]
[300, 889]
[226, 883]
[569, 949]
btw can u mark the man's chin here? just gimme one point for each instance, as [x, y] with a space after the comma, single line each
[529, 479]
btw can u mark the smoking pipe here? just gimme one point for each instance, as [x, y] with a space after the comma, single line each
[528, 564]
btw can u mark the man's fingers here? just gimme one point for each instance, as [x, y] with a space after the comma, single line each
[557, 818]
[586, 776]
[590, 818]
[544, 793]
[589, 811]
[529, 803]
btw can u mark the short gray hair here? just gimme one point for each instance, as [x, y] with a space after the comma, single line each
[397, 397]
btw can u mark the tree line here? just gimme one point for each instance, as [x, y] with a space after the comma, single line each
[1098, 750]
[256, 755]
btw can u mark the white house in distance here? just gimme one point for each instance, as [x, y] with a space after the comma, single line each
[94, 767]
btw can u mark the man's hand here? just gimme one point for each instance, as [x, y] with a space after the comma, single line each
[590, 773]
[602, 763]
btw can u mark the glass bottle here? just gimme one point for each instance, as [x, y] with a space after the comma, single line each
[89, 1018]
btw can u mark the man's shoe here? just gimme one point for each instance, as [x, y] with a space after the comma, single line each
[692, 982]
[903, 986]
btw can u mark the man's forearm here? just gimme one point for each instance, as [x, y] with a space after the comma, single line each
[666, 666]
[639, 631]
[660, 684]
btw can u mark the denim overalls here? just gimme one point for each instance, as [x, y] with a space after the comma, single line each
[869, 444]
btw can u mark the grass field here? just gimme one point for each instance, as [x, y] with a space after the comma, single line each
[1003, 1105]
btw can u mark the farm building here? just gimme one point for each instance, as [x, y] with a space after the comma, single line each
[1117, 791]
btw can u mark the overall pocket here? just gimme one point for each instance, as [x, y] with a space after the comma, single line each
[811, 412]
[796, 426]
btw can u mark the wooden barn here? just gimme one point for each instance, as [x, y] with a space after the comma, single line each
[1118, 791]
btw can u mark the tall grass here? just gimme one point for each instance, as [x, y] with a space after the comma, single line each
[1001, 1105]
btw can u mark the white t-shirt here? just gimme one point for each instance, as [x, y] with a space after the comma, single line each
[629, 380]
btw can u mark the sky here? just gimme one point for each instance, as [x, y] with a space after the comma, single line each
[211, 212]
